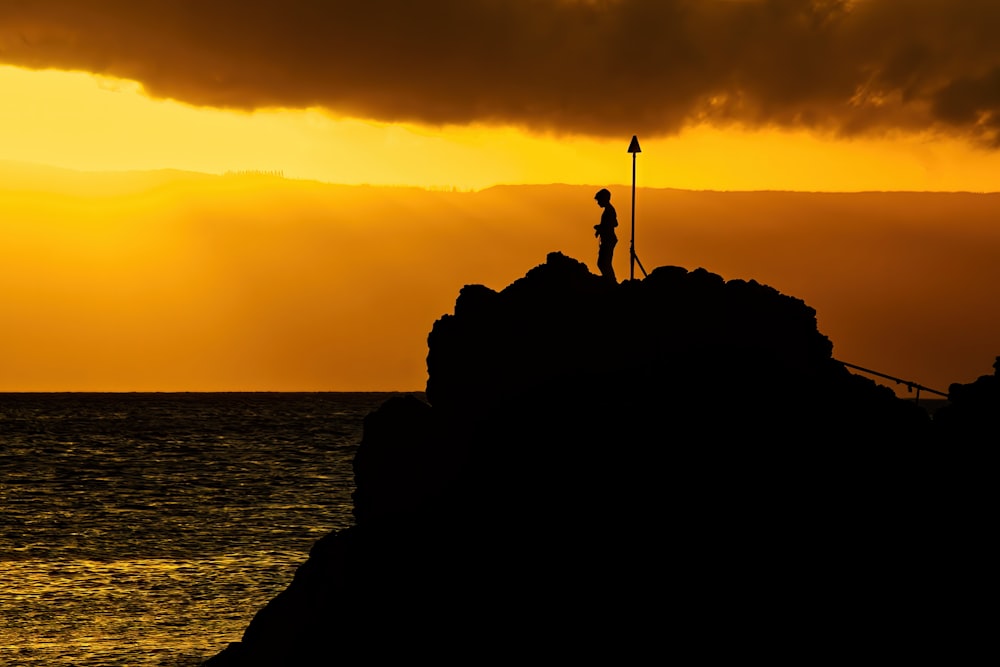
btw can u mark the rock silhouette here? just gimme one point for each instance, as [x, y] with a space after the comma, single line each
[973, 409]
[607, 472]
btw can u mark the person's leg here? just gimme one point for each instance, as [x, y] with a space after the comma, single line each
[604, 263]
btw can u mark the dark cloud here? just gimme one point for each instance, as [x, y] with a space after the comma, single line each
[602, 67]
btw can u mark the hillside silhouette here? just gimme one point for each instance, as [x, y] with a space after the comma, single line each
[269, 284]
[719, 475]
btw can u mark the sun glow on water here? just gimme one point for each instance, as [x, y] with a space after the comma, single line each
[148, 529]
[90, 611]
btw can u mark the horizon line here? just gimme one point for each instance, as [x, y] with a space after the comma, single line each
[279, 174]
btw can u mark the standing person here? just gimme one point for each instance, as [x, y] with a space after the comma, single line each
[606, 232]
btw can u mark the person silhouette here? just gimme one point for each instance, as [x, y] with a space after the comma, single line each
[606, 232]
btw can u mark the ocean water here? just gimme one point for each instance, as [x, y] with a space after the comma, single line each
[148, 529]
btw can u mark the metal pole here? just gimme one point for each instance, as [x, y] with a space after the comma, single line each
[631, 249]
[633, 148]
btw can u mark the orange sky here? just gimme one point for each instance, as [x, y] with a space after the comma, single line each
[816, 95]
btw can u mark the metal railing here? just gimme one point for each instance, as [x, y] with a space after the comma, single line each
[910, 385]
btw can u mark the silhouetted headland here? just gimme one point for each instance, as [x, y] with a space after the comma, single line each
[604, 472]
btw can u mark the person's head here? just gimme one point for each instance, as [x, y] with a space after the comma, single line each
[603, 196]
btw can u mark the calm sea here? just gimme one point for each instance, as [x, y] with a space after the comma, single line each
[147, 529]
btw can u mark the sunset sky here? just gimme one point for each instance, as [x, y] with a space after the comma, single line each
[806, 95]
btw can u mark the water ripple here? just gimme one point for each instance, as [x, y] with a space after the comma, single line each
[147, 529]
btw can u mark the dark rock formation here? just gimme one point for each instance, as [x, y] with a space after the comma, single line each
[973, 409]
[716, 358]
[609, 471]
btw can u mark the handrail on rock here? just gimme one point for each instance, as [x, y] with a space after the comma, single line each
[910, 385]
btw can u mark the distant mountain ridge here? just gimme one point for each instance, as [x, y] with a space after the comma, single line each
[905, 282]
[13, 170]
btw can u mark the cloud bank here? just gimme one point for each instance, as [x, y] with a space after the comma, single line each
[593, 67]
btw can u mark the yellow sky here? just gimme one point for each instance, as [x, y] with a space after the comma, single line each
[82, 121]
[186, 280]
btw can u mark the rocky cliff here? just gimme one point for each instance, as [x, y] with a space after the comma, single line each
[607, 472]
